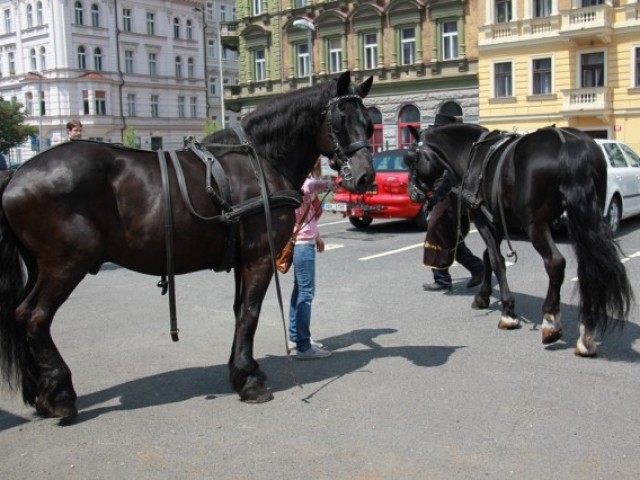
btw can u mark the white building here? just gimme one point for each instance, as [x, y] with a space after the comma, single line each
[115, 64]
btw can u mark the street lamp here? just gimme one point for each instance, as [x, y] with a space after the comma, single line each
[204, 48]
[39, 75]
[305, 24]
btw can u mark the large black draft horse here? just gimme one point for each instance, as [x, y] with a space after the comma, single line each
[80, 204]
[528, 181]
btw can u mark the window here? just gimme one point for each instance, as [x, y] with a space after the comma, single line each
[43, 58]
[502, 77]
[28, 104]
[101, 102]
[223, 13]
[0, 64]
[503, 11]
[257, 7]
[39, 15]
[259, 64]
[79, 13]
[131, 104]
[43, 106]
[33, 59]
[211, 49]
[85, 102]
[128, 61]
[449, 40]
[7, 21]
[181, 106]
[95, 15]
[300, 3]
[29, 16]
[189, 30]
[178, 67]
[82, 58]
[154, 105]
[151, 24]
[541, 81]
[335, 54]
[191, 68]
[176, 28]
[591, 3]
[408, 46]
[409, 115]
[637, 67]
[302, 55]
[541, 8]
[126, 19]
[370, 50]
[97, 58]
[11, 58]
[153, 64]
[194, 107]
[632, 156]
[592, 69]
[212, 85]
[377, 139]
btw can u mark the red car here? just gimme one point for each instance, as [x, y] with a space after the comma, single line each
[386, 198]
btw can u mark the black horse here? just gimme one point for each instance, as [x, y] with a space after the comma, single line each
[529, 181]
[75, 206]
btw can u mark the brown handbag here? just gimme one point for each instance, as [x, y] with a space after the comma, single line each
[285, 257]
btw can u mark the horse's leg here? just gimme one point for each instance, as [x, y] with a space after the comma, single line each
[483, 296]
[48, 385]
[244, 372]
[508, 319]
[554, 264]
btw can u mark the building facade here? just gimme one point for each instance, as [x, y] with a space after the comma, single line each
[140, 66]
[565, 62]
[422, 54]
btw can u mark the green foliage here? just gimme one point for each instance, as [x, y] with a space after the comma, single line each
[210, 127]
[129, 137]
[13, 131]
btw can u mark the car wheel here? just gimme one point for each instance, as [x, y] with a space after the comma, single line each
[420, 220]
[360, 222]
[613, 215]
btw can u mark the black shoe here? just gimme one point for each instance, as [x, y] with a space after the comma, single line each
[476, 279]
[436, 287]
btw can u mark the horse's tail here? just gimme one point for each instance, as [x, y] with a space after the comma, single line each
[13, 343]
[605, 292]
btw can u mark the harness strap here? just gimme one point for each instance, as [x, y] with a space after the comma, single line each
[168, 229]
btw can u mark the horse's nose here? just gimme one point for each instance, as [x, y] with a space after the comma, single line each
[363, 181]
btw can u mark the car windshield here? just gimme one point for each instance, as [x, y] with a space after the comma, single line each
[391, 162]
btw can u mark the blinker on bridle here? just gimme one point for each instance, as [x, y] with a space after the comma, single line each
[340, 159]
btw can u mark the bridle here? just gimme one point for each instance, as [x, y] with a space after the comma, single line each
[339, 159]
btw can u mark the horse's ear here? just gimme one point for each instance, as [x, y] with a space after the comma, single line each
[415, 132]
[364, 87]
[343, 83]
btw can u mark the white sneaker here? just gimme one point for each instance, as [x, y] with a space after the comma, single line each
[313, 353]
[292, 345]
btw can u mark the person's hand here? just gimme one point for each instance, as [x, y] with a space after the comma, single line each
[332, 185]
[319, 245]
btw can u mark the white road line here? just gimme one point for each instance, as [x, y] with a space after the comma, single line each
[391, 252]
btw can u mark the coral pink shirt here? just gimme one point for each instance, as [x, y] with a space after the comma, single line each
[311, 186]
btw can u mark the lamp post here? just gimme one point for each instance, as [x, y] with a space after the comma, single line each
[220, 74]
[305, 24]
[204, 48]
[39, 75]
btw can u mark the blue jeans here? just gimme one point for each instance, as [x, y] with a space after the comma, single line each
[304, 287]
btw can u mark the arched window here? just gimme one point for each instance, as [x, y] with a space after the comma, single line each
[176, 28]
[39, 16]
[190, 68]
[451, 108]
[33, 59]
[178, 67]
[189, 30]
[79, 13]
[377, 139]
[409, 115]
[43, 58]
[97, 58]
[82, 58]
[95, 15]
[29, 16]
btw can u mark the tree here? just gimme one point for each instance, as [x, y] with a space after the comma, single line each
[13, 130]
[129, 137]
[210, 127]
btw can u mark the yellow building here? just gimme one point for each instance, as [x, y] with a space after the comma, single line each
[422, 54]
[565, 62]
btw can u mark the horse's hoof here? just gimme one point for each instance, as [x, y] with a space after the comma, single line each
[479, 303]
[66, 410]
[551, 335]
[585, 350]
[508, 323]
[256, 395]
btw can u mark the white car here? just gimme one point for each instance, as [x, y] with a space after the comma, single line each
[623, 181]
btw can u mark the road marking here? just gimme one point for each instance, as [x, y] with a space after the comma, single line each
[332, 246]
[391, 252]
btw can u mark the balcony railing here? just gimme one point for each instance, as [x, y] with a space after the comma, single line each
[592, 101]
[230, 34]
[588, 22]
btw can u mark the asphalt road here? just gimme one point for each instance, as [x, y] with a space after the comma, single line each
[420, 386]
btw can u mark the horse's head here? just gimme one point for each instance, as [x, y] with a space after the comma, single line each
[437, 150]
[348, 129]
